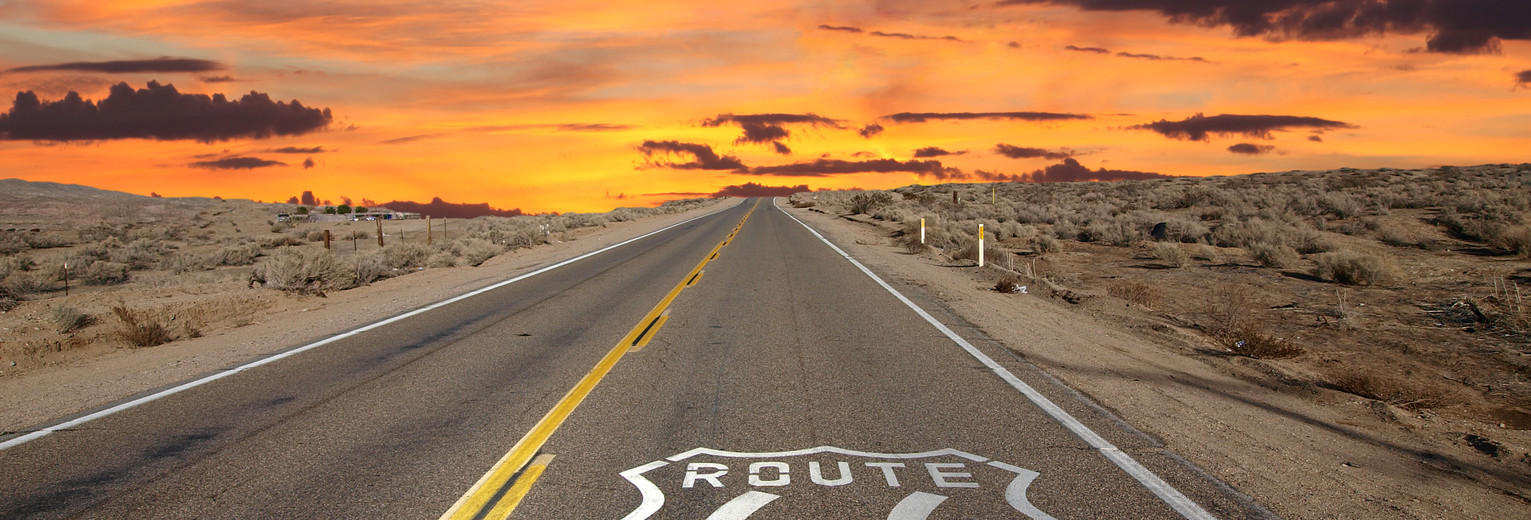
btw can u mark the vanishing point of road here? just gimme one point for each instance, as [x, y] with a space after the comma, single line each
[736, 365]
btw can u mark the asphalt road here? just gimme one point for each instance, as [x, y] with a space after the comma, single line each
[673, 377]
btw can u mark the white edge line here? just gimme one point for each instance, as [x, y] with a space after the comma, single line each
[293, 352]
[1171, 496]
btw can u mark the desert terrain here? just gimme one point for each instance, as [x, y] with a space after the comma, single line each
[1339, 344]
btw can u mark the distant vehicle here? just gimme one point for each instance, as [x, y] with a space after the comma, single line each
[283, 217]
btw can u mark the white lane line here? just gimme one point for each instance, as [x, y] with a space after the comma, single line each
[1171, 496]
[299, 350]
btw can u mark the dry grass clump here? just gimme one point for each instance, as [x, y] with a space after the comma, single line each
[1046, 244]
[370, 268]
[314, 235]
[1009, 285]
[103, 273]
[1254, 340]
[1139, 292]
[306, 271]
[441, 259]
[68, 319]
[140, 328]
[1352, 268]
[1275, 256]
[1409, 393]
[1171, 254]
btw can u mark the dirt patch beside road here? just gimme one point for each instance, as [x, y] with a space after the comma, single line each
[1302, 450]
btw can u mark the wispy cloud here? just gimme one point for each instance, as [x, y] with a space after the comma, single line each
[924, 117]
[236, 163]
[164, 64]
[664, 154]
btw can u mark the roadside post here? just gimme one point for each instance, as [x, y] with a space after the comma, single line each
[922, 231]
[429, 235]
[326, 240]
[980, 245]
[379, 233]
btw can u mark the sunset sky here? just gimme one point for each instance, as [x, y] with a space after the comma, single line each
[589, 105]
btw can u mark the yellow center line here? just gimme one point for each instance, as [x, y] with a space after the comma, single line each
[485, 499]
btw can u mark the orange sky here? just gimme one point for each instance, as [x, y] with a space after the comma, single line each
[544, 105]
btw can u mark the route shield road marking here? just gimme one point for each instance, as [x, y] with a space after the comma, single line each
[726, 485]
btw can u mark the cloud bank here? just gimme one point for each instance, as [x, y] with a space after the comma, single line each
[750, 189]
[1019, 152]
[1198, 127]
[165, 64]
[442, 209]
[236, 163]
[157, 112]
[1454, 26]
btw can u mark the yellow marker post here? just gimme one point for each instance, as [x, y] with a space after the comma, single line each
[980, 245]
[922, 231]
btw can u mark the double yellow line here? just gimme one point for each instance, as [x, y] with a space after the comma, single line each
[497, 493]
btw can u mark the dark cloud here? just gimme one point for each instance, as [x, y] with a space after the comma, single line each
[236, 163]
[841, 29]
[1523, 79]
[308, 163]
[157, 112]
[1316, 139]
[127, 66]
[1096, 50]
[870, 130]
[769, 128]
[1020, 152]
[1071, 171]
[662, 154]
[1251, 149]
[443, 209]
[922, 117]
[1014, 45]
[687, 194]
[1454, 26]
[750, 189]
[1001, 177]
[931, 151]
[825, 167]
[309, 199]
[1197, 127]
[217, 79]
[907, 36]
[1157, 57]
[296, 149]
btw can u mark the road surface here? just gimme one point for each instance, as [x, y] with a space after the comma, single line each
[733, 366]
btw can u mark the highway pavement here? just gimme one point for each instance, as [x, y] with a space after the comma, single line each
[734, 366]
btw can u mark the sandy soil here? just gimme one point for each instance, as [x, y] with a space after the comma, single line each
[1308, 453]
[91, 377]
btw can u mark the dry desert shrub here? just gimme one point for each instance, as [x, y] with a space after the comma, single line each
[302, 270]
[1046, 244]
[1207, 253]
[867, 201]
[141, 328]
[1352, 268]
[11, 243]
[1275, 256]
[314, 235]
[406, 256]
[68, 319]
[370, 268]
[104, 273]
[442, 259]
[1171, 254]
[1139, 292]
[9, 300]
[475, 251]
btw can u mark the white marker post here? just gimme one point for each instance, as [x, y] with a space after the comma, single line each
[922, 231]
[980, 245]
